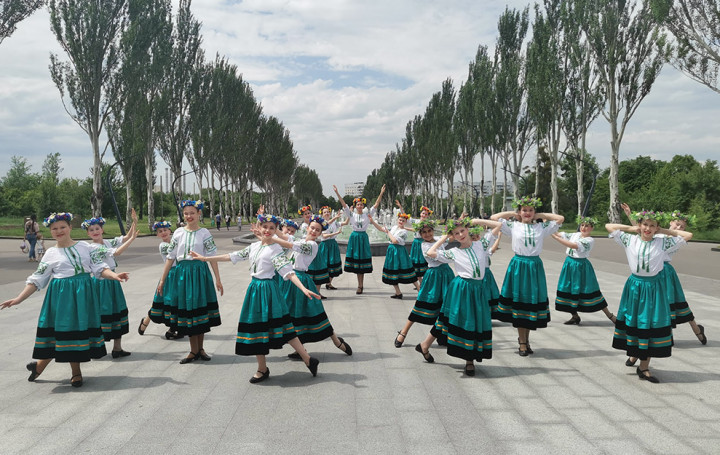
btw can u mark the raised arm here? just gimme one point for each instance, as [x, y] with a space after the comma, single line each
[210, 259]
[559, 219]
[432, 252]
[612, 227]
[564, 242]
[127, 240]
[133, 227]
[628, 213]
[342, 201]
[686, 235]
[507, 215]
[283, 242]
[399, 205]
[377, 226]
[377, 203]
[487, 223]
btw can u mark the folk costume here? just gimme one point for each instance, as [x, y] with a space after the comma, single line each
[398, 268]
[578, 289]
[358, 258]
[434, 284]
[113, 307]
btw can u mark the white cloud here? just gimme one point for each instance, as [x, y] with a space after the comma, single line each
[344, 77]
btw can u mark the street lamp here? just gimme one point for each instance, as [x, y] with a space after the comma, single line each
[172, 188]
[112, 195]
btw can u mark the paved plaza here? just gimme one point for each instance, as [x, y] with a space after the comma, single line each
[574, 395]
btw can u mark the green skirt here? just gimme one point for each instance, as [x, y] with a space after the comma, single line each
[398, 267]
[264, 322]
[358, 258]
[69, 328]
[192, 302]
[113, 309]
[307, 315]
[523, 299]
[644, 326]
[578, 289]
[330, 249]
[430, 296]
[465, 320]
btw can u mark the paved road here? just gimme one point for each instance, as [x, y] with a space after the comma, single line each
[573, 396]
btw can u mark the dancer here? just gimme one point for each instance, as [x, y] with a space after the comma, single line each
[437, 278]
[464, 317]
[578, 289]
[192, 301]
[644, 324]
[398, 267]
[329, 246]
[308, 315]
[113, 307]
[679, 309]
[358, 258]
[158, 311]
[416, 254]
[491, 242]
[318, 269]
[265, 322]
[68, 328]
[523, 298]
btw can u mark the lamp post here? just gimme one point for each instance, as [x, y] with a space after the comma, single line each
[112, 195]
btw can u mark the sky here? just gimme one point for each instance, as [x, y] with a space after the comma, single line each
[344, 77]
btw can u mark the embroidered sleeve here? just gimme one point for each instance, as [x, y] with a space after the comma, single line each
[41, 277]
[584, 245]
[671, 244]
[116, 242]
[241, 255]
[165, 248]
[550, 227]
[506, 226]
[99, 253]
[283, 265]
[303, 248]
[445, 256]
[172, 249]
[209, 246]
[621, 237]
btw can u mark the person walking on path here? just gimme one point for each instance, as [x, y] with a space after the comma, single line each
[31, 232]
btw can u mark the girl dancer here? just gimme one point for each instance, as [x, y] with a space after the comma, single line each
[679, 308]
[191, 298]
[644, 324]
[465, 314]
[358, 258]
[68, 328]
[113, 308]
[318, 269]
[329, 247]
[264, 319]
[437, 278]
[578, 288]
[398, 267]
[158, 311]
[523, 299]
[491, 241]
[416, 254]
[308, 315]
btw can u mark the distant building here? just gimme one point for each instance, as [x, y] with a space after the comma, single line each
[354, 189]
[461, 187]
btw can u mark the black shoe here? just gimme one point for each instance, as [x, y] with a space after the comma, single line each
[398, 343]
[348, 349]
[77, 383]
[426, 355]
[575, 320]
[442, 341]
[120, 353]
[630, 363]
[313, 365]
[469, 371]
[32, 368]
[648, 377]
[255, 380]
[294, 356]
[189, 359]
[525, 352]
[203, 356]
[141, 331]
[396, 296]
[170, 335]
[701, 336]
[322, 297]
[529, 349]
[330, 287]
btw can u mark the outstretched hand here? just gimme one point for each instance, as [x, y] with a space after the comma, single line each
[197, 256]
[123, 276]
[311, 295]
[8, 303]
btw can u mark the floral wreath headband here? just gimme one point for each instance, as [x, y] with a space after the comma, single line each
[652, 215]
[100, 221]
[160, 225]
[587, 220]
[427, 209]
[528, 201]
[290, 223]
[679, 216]
[319, 220]
[478, 230]
[454, 224]
[360, 199]
[62, 216]
[307, 208]
[404, 215]
[325, 207]
[190, 203]
[419, 226]
[266, 218]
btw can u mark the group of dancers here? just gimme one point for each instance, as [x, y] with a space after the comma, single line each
[288, 264]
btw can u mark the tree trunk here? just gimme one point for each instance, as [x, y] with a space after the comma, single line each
[149, 189]
[97, 197]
